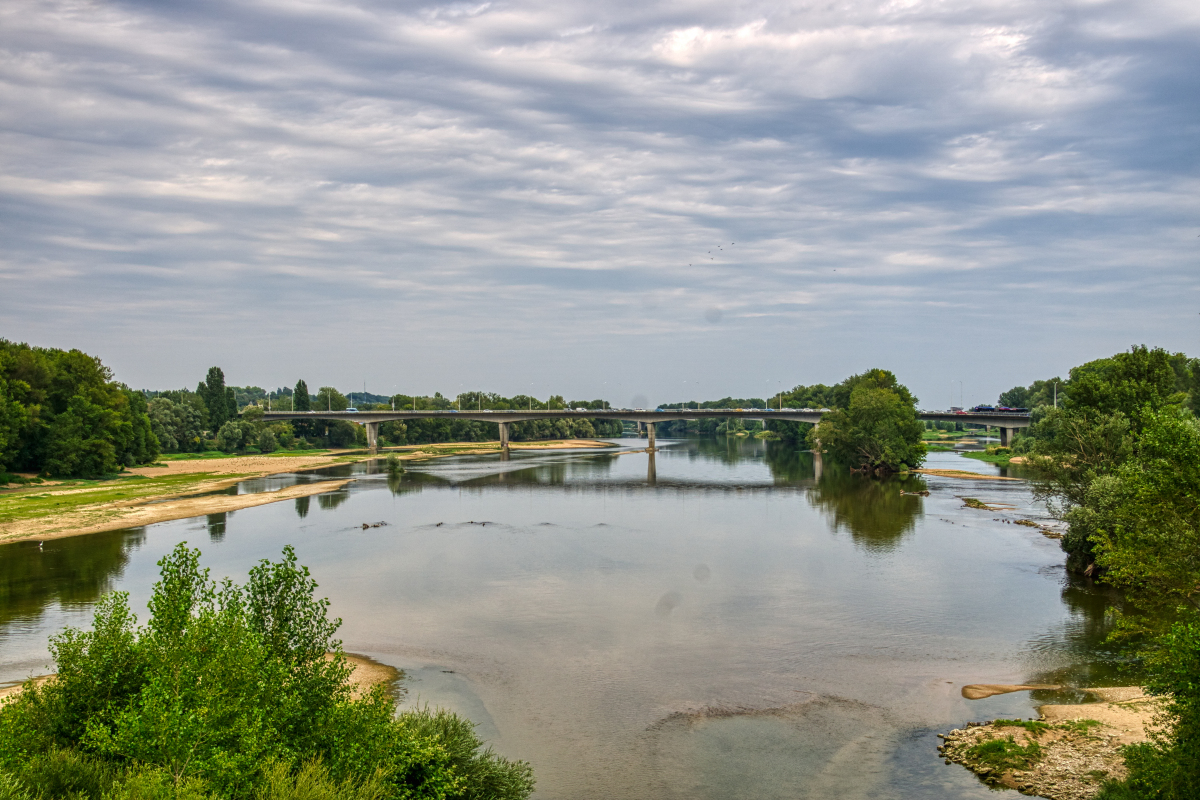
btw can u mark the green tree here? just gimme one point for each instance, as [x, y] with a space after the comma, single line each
[231, 692]
[330, 399]
[1167, 767]
[301, 398]
[1092, 433]
[212, 390]
[876, 430]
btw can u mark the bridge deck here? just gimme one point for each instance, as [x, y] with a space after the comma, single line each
[1001, 420]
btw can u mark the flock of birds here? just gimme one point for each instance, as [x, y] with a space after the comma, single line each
[710, 252]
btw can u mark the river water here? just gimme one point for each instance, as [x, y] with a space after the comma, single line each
[714, 623]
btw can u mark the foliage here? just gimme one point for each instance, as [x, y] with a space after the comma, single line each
[1036, 727]
[230, 692]
[212, 391]
[1143, 519]
[61, 413]
[876, 429]
[1168, 766]
[1096, 430]
[1004, 754]
[234, 436]
[179, 426]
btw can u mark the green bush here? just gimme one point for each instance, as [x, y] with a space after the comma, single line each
[1168, 766]
[228, 692]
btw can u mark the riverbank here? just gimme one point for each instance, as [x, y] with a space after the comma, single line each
[172, 490]
[366, 674]
[1066, 754]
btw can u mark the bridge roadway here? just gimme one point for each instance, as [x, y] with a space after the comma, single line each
[1006, 422]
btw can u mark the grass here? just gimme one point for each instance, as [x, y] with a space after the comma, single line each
[938, 448]
[1083, 726]
[999, 459]
[219, 454]
[972, 502]
[1005, 754]
[1033, 726]
[72, 495]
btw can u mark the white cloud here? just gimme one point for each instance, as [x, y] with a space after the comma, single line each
[548, 172]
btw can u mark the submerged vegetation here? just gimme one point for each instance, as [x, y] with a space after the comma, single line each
[230, 692]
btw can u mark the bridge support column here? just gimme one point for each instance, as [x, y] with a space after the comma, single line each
[651, 473]
[650, 429]
[1006, 436]
[503, 436]
[372, 436]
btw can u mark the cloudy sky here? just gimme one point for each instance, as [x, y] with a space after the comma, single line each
[668, 199]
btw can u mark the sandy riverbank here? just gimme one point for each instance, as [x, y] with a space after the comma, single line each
[167, 490]
[132, 514]
[959, 473]
[1077, 748]
[367, 673]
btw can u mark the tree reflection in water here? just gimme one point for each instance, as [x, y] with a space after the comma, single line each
[68, 571]
[331, 500]
[878, 512]
[1083, 640]
[216, 525]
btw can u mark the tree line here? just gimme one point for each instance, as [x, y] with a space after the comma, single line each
[212, 418]
[61, 413]
[1114, 449]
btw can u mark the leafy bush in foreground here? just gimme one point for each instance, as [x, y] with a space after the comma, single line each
[1168, 766]
[228, 692]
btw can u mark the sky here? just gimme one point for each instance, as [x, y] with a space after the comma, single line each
[631, 200]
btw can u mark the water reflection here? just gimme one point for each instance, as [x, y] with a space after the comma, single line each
[216, 525]
[704, 638]
[69, 571]
[1080, 646]
[877, 512]
[331, 500]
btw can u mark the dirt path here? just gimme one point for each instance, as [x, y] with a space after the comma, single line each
[1066, 757]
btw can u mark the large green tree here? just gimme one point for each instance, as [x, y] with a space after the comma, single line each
[61, 412]
[1094, 431]
[874, 427]
[212, 390]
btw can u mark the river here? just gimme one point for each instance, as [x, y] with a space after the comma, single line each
[717, 623]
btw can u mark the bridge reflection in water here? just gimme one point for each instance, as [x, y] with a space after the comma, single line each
[1005, 423]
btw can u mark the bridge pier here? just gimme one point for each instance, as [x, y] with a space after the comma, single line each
[503, 436]
[1006, 436]
[372, 436]
[650, 430]
[651, 473]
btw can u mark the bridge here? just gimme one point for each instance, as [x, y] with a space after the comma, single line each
[1006, 422]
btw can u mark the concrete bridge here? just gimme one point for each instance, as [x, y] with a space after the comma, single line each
[1007, 423]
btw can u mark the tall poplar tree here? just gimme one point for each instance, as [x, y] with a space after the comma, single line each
[214, 398]
[302, 403]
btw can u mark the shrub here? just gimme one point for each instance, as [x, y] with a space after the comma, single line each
[230, 692]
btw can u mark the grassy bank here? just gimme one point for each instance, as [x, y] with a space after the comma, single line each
[1000, 456]
[51, 499]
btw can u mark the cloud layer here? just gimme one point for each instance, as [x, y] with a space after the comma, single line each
[600, 198]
